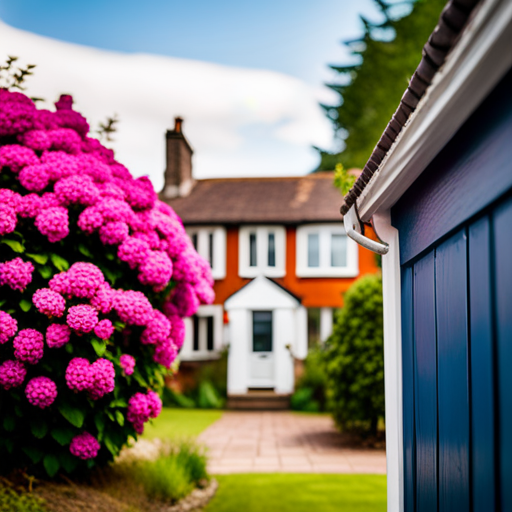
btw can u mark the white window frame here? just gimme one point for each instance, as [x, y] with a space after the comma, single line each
[325, 269]
[262, 268]
[187, 352]
[219, 246]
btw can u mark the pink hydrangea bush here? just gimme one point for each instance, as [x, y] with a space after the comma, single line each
[96, 276]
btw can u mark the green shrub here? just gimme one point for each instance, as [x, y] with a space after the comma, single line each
[311, 394]
[19, 501]
[302, 400]
[194, 460]
[208, 397]
[172, 476]
[355, 360]
[171, 398]
[164, 479]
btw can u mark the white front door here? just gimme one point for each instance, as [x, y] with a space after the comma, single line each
[261, 364]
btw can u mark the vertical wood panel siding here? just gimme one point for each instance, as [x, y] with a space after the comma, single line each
[425, 389]
[482, 367]
[503, 287]
[452, 361]
[408, 388]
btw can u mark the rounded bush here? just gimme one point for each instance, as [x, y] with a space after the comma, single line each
[96, 275]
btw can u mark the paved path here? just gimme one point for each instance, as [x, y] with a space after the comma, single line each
[269, 442]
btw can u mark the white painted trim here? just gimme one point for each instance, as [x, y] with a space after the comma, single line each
[326, 323]
[477, 63]
[262, 232]
[391, 290]
[324, 269]
[219, 246]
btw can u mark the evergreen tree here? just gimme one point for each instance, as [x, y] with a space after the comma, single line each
[370, 90]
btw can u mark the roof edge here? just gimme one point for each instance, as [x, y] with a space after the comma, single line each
[452, 21]
[471, 71]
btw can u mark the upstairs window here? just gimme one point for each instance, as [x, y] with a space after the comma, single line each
[324, 250]
[262, 251]
[210, 243]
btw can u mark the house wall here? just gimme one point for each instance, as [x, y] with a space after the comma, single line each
[314, 292]
[455, 243]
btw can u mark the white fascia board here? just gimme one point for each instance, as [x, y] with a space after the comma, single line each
[476, 64]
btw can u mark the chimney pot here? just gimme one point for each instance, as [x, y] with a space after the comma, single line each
[178, 121]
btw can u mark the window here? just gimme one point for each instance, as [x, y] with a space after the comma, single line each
[313, 327]
[262, 251]
[313, 250]
[210, 243]
[324, 250]
[203, 334]
[271, 249]
[338, 250]
[253, 259]
[262, 331]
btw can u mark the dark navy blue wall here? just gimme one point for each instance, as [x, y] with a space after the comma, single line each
[455, 227]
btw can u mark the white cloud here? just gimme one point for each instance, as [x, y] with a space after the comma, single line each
[240, 122]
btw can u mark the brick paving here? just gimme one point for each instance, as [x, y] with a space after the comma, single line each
[284, 442]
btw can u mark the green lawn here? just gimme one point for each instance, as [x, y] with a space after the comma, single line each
[180, 423]
[299, 493]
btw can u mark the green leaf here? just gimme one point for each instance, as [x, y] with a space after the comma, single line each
[85, 251]
[2, 302]
[9, 423]
[110, 256]
[39, 258]
[99, 346]
[59, 262]
[14, 245]
[68, 461]
[63, 436]
[51, 464]
[9, 445]
[110, 416]
[46, 272]
[74, 415]
[120, 402]
[140, 380]
[39, 428]
[35, 454]
[99, 421]
[25, 305]
[109, 274]
[111, 446]
[120, 418]
[69, 348]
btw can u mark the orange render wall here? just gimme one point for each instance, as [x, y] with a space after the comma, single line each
[314, 292]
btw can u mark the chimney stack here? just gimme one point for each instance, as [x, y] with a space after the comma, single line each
[178, 179]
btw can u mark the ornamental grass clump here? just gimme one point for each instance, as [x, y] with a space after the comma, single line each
[96, 275]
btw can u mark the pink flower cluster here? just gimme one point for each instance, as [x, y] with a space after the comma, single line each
[28, 346]
[16, 273]
[8, 326]
[84, 446]
[141, 407]
[41, 392]
[61, 168]
[57, 335]
[12, 374]
[98, 378]
[49, 303]
[127, 363]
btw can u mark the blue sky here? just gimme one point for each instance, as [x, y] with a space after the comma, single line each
[247, 76]
[296, 37]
